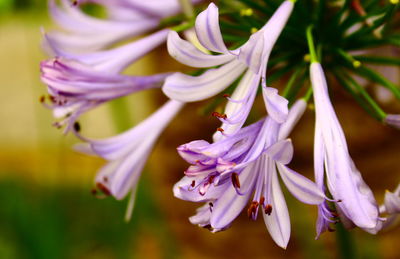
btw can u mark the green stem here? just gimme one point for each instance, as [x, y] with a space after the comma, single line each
[183, 26]
[311, 45]
[292, 80]
[367, 97]
[345, 243]
[308, 94]
[348, 57]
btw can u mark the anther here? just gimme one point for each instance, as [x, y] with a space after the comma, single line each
[77, 126]
[220, 129]
[235, 180]
[219, 115]
[103, 188]
[193, 184]
[42, 99]
[262, 199]
[339, 200]
[252, 209]
[226, 95]
[105, 179]
[268, 209]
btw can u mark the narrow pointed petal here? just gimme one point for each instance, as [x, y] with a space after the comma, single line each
[230, 204]
[187, 88]
[208, 30]
[295, 113]
[278, 222]
[302, 188]
[255, 52]
[188, 54]
[277, 106]
[281, 151]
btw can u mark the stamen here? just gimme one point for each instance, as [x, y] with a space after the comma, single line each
[77, 126]
[219, 115]
[103, 188]
[42, 99]
[262, 199]
[251, 211]
[268, 209]
[235, 180]
[193, 184]
[220, 129]
[226, 95]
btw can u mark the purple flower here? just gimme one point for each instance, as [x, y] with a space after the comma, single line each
[79, 82]
[227, 173]
[232, 63]
[126, 153]
[355, 201]
[75, 88]
[83, 33]
[393, 120]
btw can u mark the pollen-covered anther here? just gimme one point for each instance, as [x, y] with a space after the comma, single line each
[251, 211]
[103, 189]
[262, 199]
[77, 126]
[235, 180]
[268, 209]
[219, 115]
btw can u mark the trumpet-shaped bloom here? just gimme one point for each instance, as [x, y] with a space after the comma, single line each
[79, 82]
[252, 56]
[126, 153]
[227, 173]
[75, 88]
[355, 199]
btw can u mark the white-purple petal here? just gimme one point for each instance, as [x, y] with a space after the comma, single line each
[208, 30]
[187, 88]
[188, 54]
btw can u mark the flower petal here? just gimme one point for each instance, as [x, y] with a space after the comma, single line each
[186, 88]
[295, 113]
[278, 222]
[188, 54]
[208, 30]
[392, 203]
[230, 204]
[281, 151]
[302, 188]
[276, 105]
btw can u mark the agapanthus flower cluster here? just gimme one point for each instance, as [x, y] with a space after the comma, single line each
[248, 160]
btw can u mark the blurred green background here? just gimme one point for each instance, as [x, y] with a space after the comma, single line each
[47, 210]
